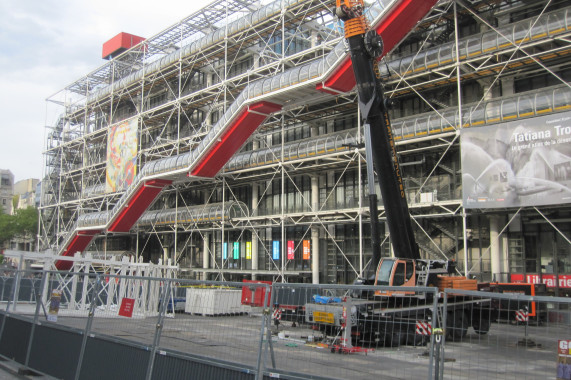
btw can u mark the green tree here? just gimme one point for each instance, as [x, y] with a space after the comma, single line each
[15, 201]
[6, 227]
[26, 220]
[23, 222]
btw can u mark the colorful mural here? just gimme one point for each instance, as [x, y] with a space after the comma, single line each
[121, 156]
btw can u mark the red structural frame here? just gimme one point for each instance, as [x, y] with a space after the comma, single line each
[136, 206]
[234, 137]
[79, 242]
[130, 213]
[394, 26]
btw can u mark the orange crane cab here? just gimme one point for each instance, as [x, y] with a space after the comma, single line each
[395, 272]
[411, 272]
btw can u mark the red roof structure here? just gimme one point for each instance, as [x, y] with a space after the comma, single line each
[120, 43]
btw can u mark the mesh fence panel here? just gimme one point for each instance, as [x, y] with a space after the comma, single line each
[208, 319]
[522, 341]
[313, 324]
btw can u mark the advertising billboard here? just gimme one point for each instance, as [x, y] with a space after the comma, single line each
[122, 146]
[518, 163]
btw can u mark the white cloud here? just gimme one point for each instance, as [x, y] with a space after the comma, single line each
[50, 44]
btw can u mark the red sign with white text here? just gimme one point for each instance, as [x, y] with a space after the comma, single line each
[549, 280]
[290, 250]
[126, 309]
[565, 347]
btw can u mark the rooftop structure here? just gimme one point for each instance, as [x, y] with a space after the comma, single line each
[120, 44]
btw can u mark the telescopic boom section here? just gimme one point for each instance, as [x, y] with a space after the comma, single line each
[365, 47]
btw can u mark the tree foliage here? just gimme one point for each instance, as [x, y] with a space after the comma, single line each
[23, 222]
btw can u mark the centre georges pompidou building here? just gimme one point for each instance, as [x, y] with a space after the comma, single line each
[231, 142]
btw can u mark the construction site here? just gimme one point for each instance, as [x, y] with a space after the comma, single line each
[231, 144]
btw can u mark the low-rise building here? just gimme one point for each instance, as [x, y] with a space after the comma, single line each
[26, 191]
[6, 190]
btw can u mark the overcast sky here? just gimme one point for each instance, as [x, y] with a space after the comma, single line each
[48, 44]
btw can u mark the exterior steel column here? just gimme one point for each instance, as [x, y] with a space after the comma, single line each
[315, 231]
[254, 254]
[205, 253]
[315, 193]
[165, 254]
[255, 200]
[495, 255]
[315, 255]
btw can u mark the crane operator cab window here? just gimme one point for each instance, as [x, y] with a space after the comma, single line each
[398, 278]
[393, 272]
[384, 272]
[403, 273]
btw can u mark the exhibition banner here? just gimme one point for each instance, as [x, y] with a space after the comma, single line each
[306, 250]
[276, 250]
[236, 251]
[122, 147]
[518, 163]
[290, 250]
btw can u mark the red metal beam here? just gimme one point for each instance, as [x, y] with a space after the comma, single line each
[393, 27]
[78, 244]
[234, 137]
[137, 205]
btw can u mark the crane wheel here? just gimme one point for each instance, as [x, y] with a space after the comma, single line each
[457, 325]
[481, 326]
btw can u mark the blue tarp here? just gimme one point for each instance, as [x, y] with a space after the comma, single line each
[323, 299]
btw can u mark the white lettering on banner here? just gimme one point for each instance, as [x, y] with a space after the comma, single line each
[563, 344]
[548, 279]
[562, 130]
[531, 136]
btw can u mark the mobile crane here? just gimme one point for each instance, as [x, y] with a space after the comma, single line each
[366, 46]
[390, 317]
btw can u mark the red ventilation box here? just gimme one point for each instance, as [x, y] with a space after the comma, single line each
[120, 43]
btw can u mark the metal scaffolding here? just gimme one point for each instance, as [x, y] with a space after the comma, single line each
[301, 176]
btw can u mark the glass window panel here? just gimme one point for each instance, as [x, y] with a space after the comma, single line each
[493, 112]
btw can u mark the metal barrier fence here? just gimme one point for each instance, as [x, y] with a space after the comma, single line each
[318, 322]
[83, 326]
[523, 342]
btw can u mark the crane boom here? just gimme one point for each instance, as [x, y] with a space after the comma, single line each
[365, 47]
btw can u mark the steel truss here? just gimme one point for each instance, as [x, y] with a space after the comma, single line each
[283, 184]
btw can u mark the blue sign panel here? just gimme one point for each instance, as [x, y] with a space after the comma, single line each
[276, 250]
